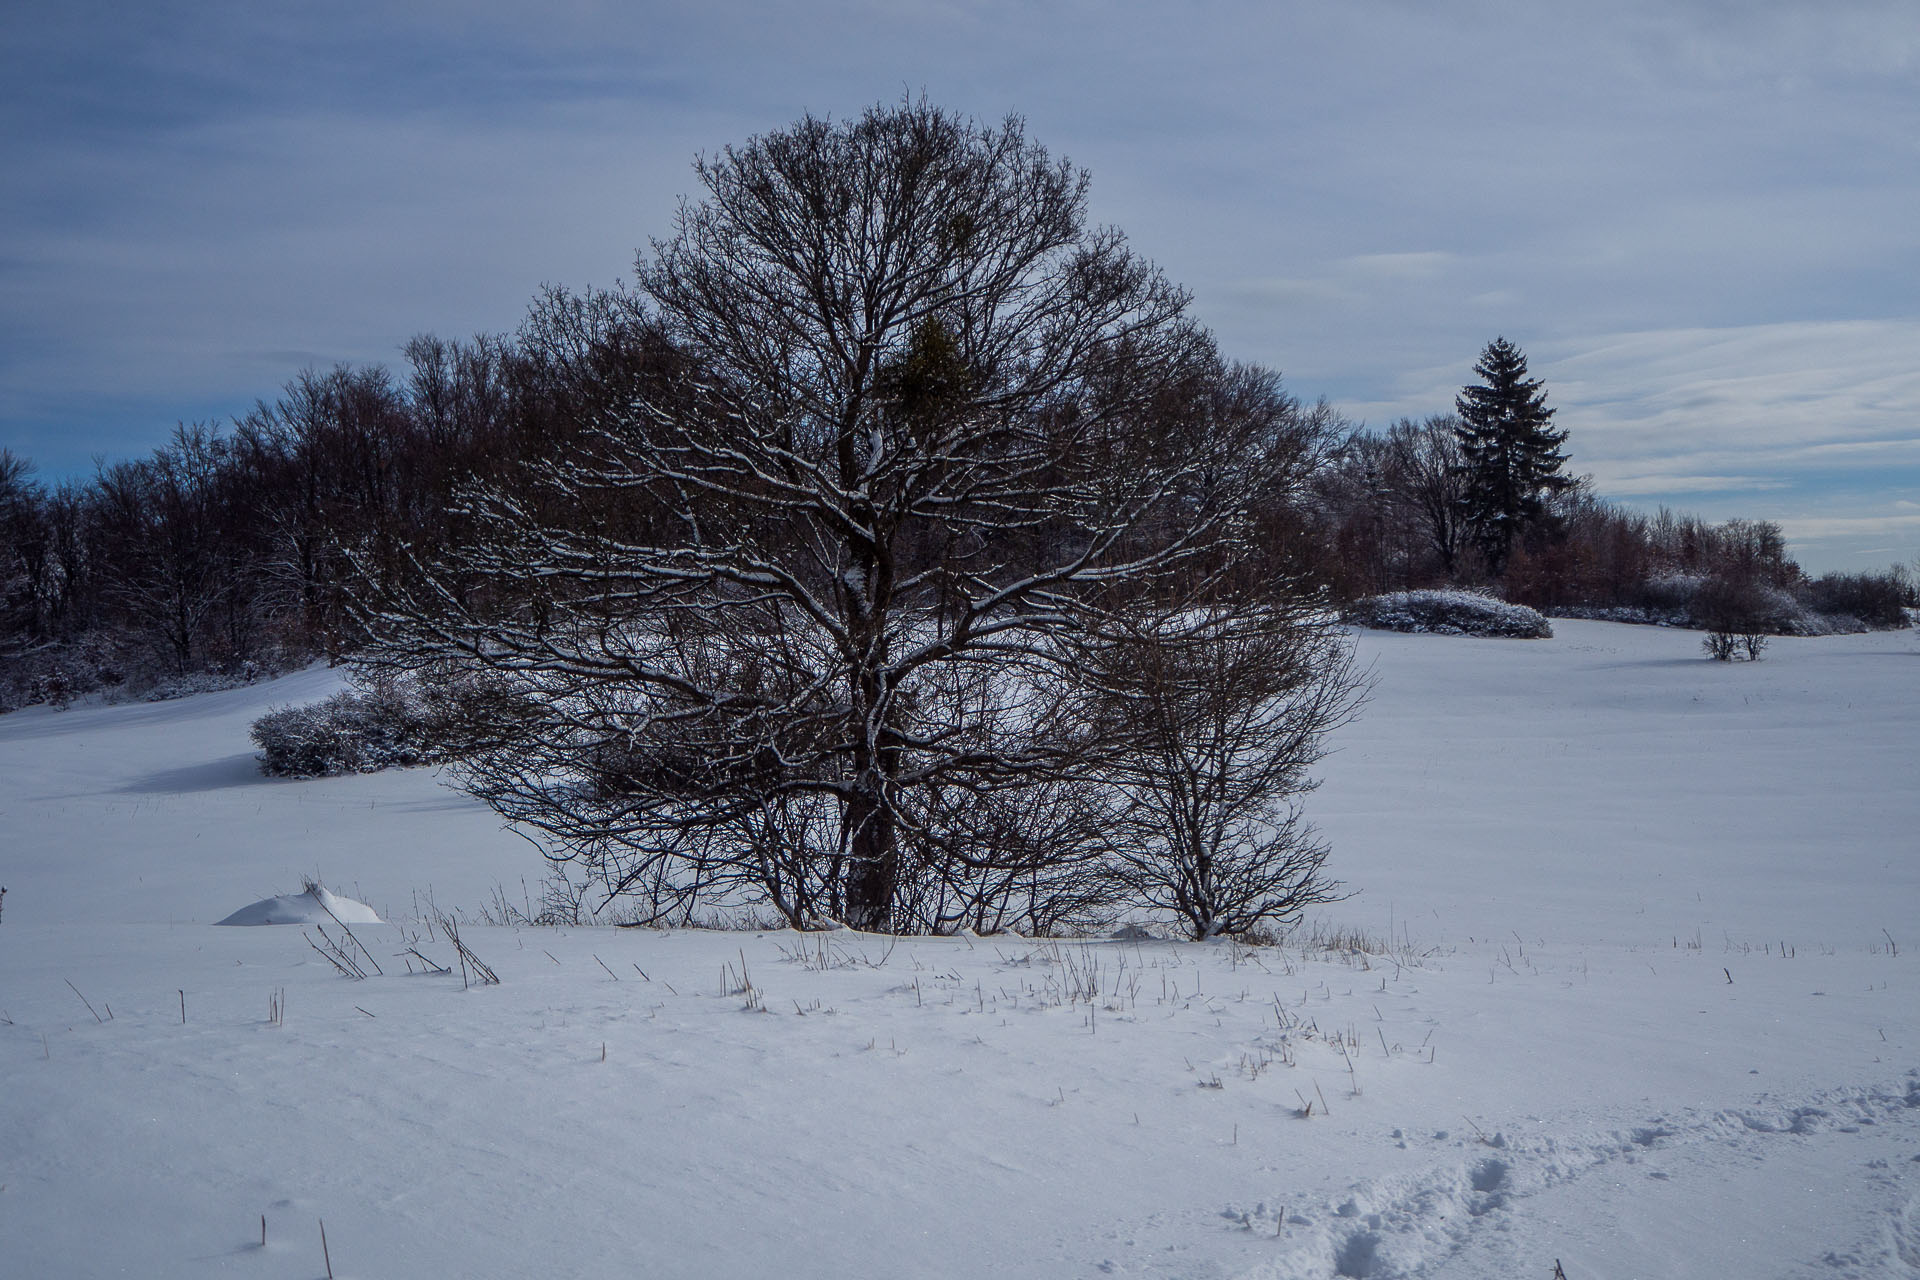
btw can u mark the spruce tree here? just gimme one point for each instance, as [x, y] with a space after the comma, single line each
[1512, 452]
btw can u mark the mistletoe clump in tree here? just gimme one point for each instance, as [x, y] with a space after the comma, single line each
[1512, 457]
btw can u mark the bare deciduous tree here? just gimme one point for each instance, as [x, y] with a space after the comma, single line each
[806, 615]
[1218, 725]
[1428, 477]
[180, 563]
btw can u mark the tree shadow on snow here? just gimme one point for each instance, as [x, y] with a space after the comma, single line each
[1655, 664]
[241, 769]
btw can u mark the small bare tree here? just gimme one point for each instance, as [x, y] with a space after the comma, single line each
[1216, 727]
[1733, 606]
[1427, 476]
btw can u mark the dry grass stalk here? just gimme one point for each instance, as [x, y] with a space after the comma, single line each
[83, 1000]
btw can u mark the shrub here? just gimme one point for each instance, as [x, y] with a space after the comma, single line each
[1735, 610]
[1668, 595]
[1720, 645]
[351, 732]
[213, 680]
[1876, 599]
[1453, 613]
[1206, 816]
[105, 666]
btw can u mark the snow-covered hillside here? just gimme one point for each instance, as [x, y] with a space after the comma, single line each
[1649, 1008]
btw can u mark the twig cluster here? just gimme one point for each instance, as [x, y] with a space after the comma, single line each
[471, 969]
[337, 954]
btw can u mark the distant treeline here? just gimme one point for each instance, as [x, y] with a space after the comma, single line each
[232, 551]
[229, 551]
[1390, 513]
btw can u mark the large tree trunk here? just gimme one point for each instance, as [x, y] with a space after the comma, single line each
[874, 872]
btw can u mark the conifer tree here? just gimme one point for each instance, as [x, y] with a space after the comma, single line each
[1512, 452]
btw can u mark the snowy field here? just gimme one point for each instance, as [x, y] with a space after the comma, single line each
[1641, 998]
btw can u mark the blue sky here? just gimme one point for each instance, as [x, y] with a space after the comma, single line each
[1698, 219]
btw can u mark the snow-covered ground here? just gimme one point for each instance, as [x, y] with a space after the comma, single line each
[1641, 1013]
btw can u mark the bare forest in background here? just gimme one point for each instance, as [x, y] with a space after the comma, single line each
[223, 553]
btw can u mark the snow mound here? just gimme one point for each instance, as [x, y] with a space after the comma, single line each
[315, 906]
[1453, 613]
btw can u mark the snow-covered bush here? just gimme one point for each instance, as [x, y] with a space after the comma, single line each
[1637, 615]
[1667, 596]
[1823, 608]
[351, 732]
[105, 666]
[167, 688]
[1452, 613]
[1877, 600]
[57, 675]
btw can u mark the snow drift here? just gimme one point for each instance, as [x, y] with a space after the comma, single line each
[315, 905]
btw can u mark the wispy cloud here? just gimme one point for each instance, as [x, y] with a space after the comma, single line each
[1775, 401]
[1629, 485]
